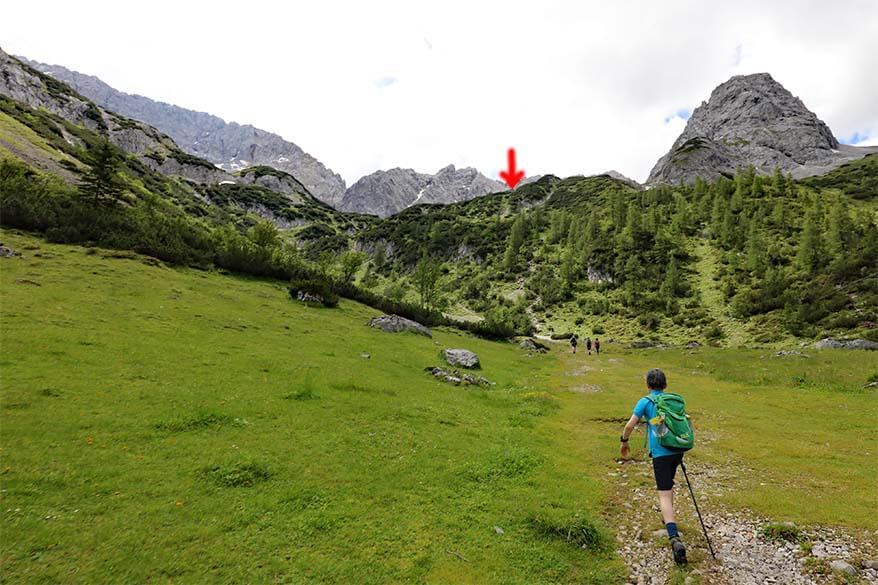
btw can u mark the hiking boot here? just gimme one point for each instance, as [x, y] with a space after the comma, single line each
[679, 550]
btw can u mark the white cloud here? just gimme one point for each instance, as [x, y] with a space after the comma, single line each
[575, 87]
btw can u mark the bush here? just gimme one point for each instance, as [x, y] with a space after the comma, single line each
[649, 321]
[316, 288]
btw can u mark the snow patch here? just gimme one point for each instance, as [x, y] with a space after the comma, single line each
[418, 198]
[227, 183]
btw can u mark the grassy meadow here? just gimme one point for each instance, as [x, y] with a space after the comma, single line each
[174, 425]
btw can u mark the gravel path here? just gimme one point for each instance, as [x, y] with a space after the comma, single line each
[744, 556]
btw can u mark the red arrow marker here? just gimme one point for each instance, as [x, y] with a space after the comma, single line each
[512, 176]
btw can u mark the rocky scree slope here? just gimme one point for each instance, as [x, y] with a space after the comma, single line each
[230, 146]
[752, 120]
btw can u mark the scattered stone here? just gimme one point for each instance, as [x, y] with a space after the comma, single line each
[397, 324]
[499, 530]
[870, 564]
[463, 358]
[6, 252]
[693, 344]
[843, 567]
[27, 281]
[366, 356]
[830, 343]
[457, 378]
[791, 352]
[642, 344]
[660, 533]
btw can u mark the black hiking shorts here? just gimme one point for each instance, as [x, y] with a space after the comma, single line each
[665, 469]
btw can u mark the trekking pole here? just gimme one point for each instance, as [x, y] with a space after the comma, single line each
[697, 511]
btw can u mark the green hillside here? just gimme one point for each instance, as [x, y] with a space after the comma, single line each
[746, 260]
[171, 424]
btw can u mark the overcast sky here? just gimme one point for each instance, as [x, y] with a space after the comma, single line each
[576, 87]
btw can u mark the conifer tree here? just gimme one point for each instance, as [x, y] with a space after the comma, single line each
[101, 182]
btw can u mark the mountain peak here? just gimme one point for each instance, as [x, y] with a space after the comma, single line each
[751, 120]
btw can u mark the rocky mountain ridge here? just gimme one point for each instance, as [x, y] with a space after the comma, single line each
[234, 147]
[752, 120]
[385, 193]
[230, 146]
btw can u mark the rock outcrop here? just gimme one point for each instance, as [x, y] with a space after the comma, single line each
[24, 84]
[397, 324]
[385, 193]
[230, 146]
[830, 343]
[752, 120]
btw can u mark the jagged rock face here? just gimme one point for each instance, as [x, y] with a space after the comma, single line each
[275, 180]
[384, 193]
[23, 84]
[752, 120]
[228, 145]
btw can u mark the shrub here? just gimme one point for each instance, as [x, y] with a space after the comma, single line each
[316, 288]
[649, 321]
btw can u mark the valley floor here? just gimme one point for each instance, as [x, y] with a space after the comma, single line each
[169, 425]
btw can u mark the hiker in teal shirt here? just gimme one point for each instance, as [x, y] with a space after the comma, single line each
[664, 460]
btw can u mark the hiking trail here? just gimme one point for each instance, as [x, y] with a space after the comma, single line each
[745, 556]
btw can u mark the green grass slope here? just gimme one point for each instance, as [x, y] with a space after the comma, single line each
[167, 424]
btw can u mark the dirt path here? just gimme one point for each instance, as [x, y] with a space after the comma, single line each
[744, 555]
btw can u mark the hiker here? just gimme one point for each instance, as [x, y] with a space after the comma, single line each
[597, 346]
[574, 340]
[665, 459]
[588, 344]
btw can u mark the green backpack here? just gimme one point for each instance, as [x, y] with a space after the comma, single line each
[671, 422]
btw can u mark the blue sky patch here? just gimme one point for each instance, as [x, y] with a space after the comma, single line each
[854, 138]
[385, 82]
[682, 113]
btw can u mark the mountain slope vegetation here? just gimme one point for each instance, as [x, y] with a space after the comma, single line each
[594, 255]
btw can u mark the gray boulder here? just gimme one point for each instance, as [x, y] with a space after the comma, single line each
[643, 344]
[843, 567]
[830, 343]
[462, 358]
[532, 346]
[397, 324]
[6, 251]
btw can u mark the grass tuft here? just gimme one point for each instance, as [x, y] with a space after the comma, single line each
[782, 531]
[576, 529]
[197, 422]
[237, 474]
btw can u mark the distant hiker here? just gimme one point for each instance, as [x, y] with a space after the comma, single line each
[588, 344]
[597, 346]
[670, 435]
[574, 340]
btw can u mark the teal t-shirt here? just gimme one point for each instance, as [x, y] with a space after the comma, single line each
[646, 409]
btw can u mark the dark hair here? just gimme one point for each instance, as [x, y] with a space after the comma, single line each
[655, 379]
